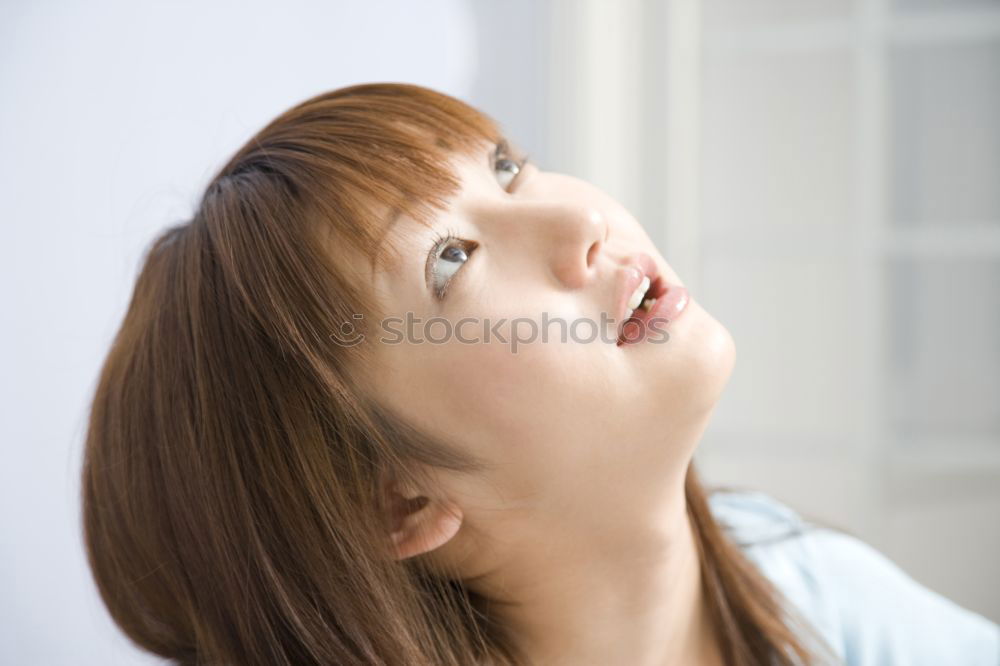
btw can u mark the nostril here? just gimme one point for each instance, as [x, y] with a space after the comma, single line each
[592, 253]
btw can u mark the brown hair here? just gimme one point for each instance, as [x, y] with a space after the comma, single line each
[233, 506]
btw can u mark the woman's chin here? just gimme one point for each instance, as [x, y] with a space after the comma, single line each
[695, 363]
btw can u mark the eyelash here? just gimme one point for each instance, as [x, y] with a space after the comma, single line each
[441, 240]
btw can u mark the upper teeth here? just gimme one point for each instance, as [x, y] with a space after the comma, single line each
[636, 299]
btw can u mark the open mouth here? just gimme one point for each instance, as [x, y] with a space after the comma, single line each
[641, 306]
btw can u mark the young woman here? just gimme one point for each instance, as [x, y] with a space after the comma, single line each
[328, 433]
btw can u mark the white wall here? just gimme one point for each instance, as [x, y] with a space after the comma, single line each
[113, 114]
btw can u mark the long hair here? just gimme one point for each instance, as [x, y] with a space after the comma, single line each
[232, 497]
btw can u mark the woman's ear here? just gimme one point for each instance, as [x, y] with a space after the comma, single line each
[419, 524]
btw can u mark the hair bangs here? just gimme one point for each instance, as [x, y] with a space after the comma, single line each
[370, 153]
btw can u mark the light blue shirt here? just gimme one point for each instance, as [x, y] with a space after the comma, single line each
[866, 608]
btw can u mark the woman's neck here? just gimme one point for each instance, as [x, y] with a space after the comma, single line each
[627, 594]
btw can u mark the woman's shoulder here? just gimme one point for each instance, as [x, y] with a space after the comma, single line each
[865, 607]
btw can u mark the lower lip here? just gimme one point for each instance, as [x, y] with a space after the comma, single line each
[668, 307]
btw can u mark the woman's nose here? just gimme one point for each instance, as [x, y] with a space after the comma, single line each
[575, 235]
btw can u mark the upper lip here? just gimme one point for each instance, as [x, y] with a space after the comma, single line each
[630, 276]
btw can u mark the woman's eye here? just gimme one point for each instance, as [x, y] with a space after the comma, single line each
[449, 255]
[508, 162]
[508, 170]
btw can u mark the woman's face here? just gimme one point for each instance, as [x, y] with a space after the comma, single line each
[563, 421]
